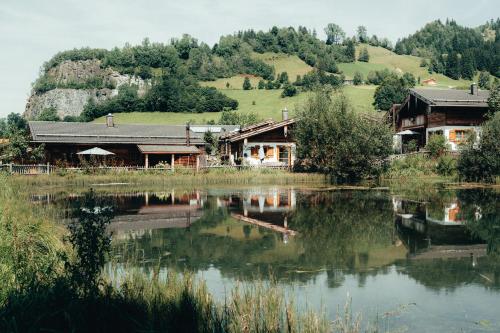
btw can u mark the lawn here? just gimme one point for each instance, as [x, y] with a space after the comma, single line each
[291, 64]
[268, 104]
[400, 63]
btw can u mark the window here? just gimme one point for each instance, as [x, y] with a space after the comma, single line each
[283, 155]
[462, 135]
[268, 152]
[254, 151]
[459, 135]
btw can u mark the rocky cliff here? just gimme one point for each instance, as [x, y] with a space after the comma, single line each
[70, 101]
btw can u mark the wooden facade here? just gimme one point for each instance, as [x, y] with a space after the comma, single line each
[433, 111]
[267, 143]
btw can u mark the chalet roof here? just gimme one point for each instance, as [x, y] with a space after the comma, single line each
[92, 133]
[168, 149]
[215, 129]
[451, 97]
[258, 129]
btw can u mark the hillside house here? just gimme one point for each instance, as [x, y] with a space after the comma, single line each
[455, 114]
[132, 145]
[268, 143]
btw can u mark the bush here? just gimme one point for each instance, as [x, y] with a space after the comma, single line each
[48, 114]
[446, 166]
[289, 91]
[481, 162]
[358, 79]
[363, 55]
[332, 139]
[437, 145]
[411, 166]
[246, 84]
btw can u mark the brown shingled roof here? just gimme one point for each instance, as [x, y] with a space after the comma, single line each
[452, 97]
[92, 133]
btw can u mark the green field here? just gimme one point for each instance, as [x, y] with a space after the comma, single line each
[291, 64]
[268, 104]
[381, 58]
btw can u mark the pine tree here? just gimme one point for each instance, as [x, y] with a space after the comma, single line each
[350, 51]
[363, 55]
[246, 84]
[453, 66]
[358, 79]
[468, 67]
[484, 80]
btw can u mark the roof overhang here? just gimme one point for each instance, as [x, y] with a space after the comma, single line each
[260, 130]
[168, 149]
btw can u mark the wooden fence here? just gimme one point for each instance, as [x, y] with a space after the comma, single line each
[27, 169]
[46, 169]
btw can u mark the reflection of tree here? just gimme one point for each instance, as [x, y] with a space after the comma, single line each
[450, 274]
[339, 230]
[91, 242]
[481, 210]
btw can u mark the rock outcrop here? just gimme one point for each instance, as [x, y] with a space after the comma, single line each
[70, 101]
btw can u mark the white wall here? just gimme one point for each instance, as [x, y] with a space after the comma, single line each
[446, 132]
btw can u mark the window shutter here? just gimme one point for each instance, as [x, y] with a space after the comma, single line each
[453, 135]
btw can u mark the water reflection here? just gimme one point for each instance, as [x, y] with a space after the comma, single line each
[381, 248]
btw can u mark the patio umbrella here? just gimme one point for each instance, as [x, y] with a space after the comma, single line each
[407, 132]
[96, 151]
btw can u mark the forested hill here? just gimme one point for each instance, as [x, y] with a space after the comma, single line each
[454, 50]
[87, 83]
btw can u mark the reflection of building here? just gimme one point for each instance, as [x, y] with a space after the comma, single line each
[263, 207]
[435, 233]
[158, 211]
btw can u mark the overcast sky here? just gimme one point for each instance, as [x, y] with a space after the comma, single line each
[32, 31]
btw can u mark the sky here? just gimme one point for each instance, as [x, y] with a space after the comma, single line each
[32, 31]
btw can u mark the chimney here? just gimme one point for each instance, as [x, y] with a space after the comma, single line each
[109, 120]
[188, 136]
[284, 113]
[473, 89]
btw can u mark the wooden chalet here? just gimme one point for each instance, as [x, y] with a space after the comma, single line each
[132, 145]
[268, 143]
[453, 113]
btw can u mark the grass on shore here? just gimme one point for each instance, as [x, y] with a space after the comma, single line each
[220, 176]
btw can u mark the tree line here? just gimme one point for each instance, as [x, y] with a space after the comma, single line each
[454, 50]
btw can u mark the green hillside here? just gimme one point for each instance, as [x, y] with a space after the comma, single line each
[381, 58]
[268, 103]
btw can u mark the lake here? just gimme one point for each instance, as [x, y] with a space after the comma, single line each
[409, 261]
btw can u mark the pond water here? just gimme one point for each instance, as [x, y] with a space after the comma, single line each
[427, 264]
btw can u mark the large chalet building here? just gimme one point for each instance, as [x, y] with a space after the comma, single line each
[453, 113]
[268, 143]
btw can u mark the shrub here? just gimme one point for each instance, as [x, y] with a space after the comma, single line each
[481, 162]
[437, 145]
[357, 79]
[246, 84]
[332, 139]
[446, 165]
[289, 91]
